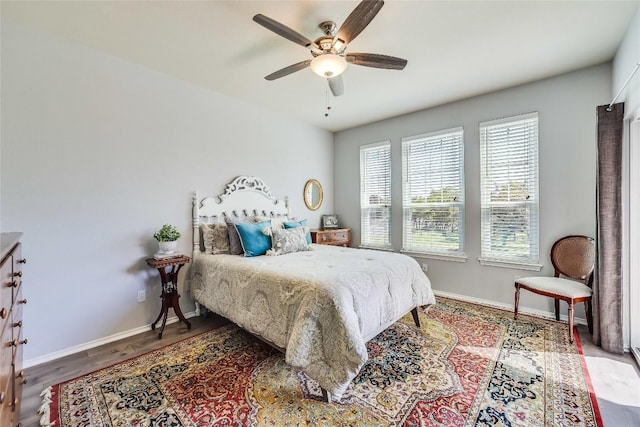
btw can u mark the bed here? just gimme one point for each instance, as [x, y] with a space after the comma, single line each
[318, 306]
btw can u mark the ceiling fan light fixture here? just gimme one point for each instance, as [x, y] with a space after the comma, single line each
[328, 65]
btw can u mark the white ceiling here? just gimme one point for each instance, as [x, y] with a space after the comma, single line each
[455, 49]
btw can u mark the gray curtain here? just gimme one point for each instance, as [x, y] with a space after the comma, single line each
[607, 292]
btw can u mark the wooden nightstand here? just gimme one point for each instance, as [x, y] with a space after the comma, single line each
[332, 236]
[169, 288]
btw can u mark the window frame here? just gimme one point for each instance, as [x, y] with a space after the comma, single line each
[365, 236]
[532, 202]
[426, 251]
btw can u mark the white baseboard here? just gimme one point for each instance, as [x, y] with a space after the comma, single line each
[95, 343]
[521, 309]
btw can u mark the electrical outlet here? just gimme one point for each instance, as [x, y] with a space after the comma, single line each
[142, 296]
[425, 267]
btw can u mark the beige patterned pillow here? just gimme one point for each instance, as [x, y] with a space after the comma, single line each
[286, 241]
[276, 221]
[215, 238]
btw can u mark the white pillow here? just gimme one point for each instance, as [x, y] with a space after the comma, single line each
[276, 221]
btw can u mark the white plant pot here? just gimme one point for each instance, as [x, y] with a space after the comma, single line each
[167, 248]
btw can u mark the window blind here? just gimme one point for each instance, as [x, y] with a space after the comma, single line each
[433, 192]
[509, 189]
[375, 195]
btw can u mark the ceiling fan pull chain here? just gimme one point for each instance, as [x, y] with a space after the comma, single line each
[326, 96]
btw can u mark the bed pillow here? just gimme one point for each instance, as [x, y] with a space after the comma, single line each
[235, 247]
[300, 223]
[215, 238]
[276, 221]
[288, 240]
[207, 237]
[253, 239]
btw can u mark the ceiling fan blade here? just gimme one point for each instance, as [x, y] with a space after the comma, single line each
[288, 70]
[358, 20]
[286, 32]
[376, 61]
[336, 85]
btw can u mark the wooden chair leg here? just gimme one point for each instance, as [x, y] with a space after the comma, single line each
[557, 303]
[589, 313]
[515, 309]
[570, 313]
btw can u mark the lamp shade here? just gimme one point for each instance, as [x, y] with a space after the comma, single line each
[328, 65]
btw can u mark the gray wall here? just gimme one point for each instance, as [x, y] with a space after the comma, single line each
[98, 153]
[566, 105]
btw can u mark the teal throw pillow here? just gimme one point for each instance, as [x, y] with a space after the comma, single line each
[254, 241]
[295, 224]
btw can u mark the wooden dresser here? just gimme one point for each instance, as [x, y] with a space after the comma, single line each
[11, 302]
[332, 236]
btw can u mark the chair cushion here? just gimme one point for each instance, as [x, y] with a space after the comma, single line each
[556, 285]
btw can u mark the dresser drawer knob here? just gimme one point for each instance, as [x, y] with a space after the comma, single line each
[18, 274]
[18, 324]
[22, 301]
[13, 284]
[16, 343]
[1, 396]
[3, 313]
[22, 261]
[22, 376]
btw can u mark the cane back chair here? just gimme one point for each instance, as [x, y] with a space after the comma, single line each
[573, 258]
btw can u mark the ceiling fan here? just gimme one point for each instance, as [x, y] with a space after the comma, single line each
[330, 58]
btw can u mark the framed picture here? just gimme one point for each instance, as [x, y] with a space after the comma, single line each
[329, 221]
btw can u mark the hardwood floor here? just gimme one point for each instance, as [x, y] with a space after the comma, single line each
[616, 382]
[615, 411]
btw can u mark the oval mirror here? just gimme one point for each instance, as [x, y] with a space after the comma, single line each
[313, 194]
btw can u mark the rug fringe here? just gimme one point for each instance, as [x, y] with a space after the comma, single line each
[44, 408]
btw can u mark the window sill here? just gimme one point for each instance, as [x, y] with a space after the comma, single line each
[377, 248]
[510, 264]
[437, 256]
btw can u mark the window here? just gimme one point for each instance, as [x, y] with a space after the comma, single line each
[433, 192]
[509, 191]
[375, 195]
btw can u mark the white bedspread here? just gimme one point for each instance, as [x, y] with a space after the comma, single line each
[320, 305]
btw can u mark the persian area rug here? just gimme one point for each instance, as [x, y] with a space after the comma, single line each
[469, 365]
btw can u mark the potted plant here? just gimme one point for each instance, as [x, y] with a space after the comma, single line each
[167, 238]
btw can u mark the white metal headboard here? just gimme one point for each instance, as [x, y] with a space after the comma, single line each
[244, 196]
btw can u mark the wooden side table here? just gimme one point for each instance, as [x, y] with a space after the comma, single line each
[168, 269]
[332, 236]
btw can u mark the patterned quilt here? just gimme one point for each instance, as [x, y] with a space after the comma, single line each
[320, 305]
